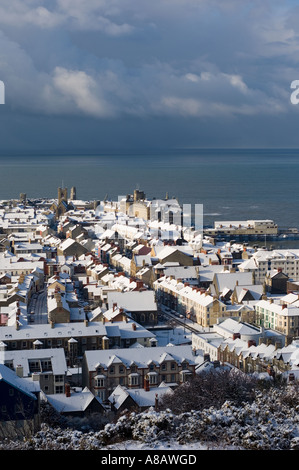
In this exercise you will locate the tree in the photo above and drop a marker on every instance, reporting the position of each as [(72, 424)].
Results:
[(211, 388)]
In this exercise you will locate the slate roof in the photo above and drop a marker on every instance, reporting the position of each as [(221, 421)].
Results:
[(9, 376)]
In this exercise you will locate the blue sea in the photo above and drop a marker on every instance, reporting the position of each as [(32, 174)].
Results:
[(230, 184)]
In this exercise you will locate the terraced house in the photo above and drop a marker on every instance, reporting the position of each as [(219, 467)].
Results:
[(103, 371), (282, 317), (190, 301)]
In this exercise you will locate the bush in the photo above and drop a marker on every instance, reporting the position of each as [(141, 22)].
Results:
[(211, 388)]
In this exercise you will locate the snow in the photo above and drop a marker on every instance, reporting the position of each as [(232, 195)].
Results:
[(270, 422)]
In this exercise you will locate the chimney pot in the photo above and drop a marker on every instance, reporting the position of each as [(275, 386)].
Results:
[(67, 390), (146, 384)]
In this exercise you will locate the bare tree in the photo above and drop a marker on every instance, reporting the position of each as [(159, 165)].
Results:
[(211, 388)]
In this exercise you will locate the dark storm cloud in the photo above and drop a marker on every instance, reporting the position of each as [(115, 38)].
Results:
[(167, 72)]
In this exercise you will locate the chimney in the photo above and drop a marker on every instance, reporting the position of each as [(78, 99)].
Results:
[(251, 342), (236, 335), (134, 326), (146, 384), (67, 388), (19, 370), (114, 307)]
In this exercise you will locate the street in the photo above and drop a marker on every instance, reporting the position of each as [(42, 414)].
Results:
[(38, 305)]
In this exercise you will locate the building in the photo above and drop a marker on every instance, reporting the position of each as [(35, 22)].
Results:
[(75, 403), (189, 301), (225, 282), (262, 261), (123, 398), (20, 402), (45, 366), (76, 337), (246, 228), (58, 308), (282, 317), (103, 371), (276, 281), (70, 247), (140, 303)]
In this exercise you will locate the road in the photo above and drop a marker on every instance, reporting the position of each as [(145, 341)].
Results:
[(181, 320), (38, 305)]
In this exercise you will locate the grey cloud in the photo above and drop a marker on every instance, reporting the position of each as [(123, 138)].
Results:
[(166, 60)]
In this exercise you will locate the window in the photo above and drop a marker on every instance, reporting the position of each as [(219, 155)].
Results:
[(101, 394), (100, 381), (153, 378), (134, 379)]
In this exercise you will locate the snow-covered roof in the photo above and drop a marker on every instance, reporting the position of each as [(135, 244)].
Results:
[(23, 356), (128, 356), (133, 301), (10, 377), (141, 397), (77, 401)]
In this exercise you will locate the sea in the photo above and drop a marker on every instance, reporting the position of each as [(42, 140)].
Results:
[(230, 184)]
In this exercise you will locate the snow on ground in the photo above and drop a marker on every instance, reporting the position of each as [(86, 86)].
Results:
[(171, 444)]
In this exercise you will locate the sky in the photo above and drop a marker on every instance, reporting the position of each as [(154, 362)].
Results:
[(115, 75)]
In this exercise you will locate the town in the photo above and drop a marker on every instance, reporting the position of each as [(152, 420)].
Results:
[(108, 305)]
